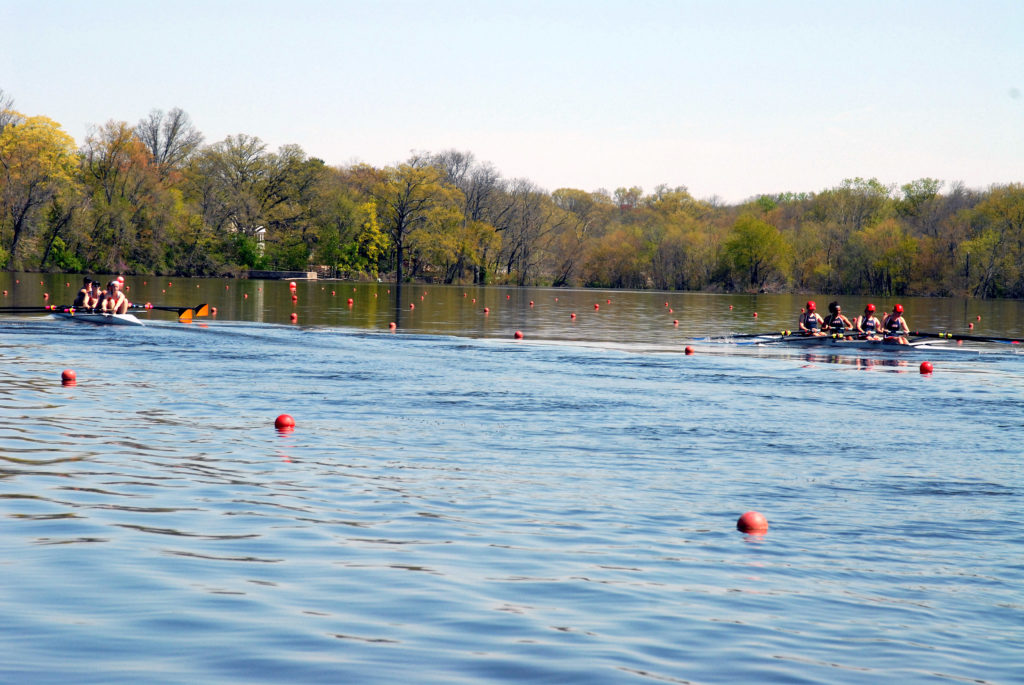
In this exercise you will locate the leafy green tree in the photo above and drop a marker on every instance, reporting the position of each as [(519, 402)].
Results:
[(37, 165), (757, 251)]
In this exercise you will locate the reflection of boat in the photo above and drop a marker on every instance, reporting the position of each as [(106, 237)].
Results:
[(100, 319)]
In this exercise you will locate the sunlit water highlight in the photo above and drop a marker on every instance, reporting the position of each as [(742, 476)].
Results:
[(467, 508)]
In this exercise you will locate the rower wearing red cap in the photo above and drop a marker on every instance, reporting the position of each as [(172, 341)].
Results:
[(868, 324), (894, 327), (810, 321)]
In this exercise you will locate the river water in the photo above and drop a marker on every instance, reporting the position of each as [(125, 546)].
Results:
[(457, 506)]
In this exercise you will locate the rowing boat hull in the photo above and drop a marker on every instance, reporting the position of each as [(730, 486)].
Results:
[(840, 344), (100, 319)]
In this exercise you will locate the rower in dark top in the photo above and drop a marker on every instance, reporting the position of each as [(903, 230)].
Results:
[(835, 322), (810, 322), (894, 327), (85, 294), (868, 324)]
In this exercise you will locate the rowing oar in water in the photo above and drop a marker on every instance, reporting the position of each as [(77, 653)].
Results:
[(198, 310), (975, 338)]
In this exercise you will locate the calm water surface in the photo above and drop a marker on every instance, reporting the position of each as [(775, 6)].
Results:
[(455, 506)]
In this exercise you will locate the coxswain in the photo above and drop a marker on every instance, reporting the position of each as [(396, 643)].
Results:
[(114, 301), (894, 327), (868, 325), (810, 322), (835, 322)]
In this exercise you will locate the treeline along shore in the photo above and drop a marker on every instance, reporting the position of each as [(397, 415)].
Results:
[(155, 198)]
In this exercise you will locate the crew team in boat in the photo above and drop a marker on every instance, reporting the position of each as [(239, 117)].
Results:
[(109, 301), (892, 329)]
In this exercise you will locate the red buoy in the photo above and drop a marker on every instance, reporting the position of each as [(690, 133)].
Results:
[(487, 310), (531, 303), (753, 522), (294, 317), (46, 296), (213, 310), (284, 423), (245, 296), (607, 301), (295, 298), (926, 368), (68, 377), (970, 326), (292, 285), (412, 306), (392, 325), (518, 335), (688, 350), (597, 306), (573, 315), (350, 302), (979, 317), (675, 322), (755, 315)]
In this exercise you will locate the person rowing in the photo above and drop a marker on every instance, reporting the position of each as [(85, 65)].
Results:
[(810, 321), (894, 327), (835, 322), (84, 295), (868, 325), (114, 301)]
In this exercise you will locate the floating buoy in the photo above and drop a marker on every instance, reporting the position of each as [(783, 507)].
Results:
[(245, 296), (294, 317), (730, 306), (465, 294), (213, 310), (675, 322), (573, 315), (671, 311), (508, 297), (227, 287), (292, 285), (68, 377), (412, 306), (350, 302), (607, 301), (755, 315), (970, 326), (752, 522), (392, 325), (531, 303), (332, 293), (487, 310), (926, 368), (5, 293), (556, 299), (284, 423), (688, 350), (473, 300), (46, 296), (597, 306), (979, 317), (421, 298), (67, 285), (295, 298), (518, 335)]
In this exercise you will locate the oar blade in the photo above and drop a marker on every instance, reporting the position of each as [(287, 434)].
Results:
[(202, 310), (185, 316)]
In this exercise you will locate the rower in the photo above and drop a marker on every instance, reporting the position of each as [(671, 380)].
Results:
[(114, 302), (894, 327), (810, 322), (836, 323), (868, 324), (84, 295)]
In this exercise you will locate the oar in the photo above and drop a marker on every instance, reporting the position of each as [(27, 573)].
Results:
[(975, 338), (199, 309)]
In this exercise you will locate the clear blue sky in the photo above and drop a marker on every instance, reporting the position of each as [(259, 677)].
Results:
[(731, 99)]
